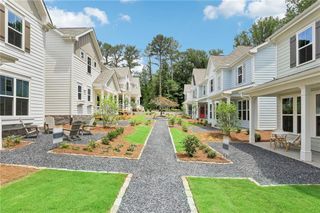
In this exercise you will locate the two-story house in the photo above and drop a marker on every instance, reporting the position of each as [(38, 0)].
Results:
[(23, 25), (297, 82), (199, 94), (73, 62), (243, 68), (135, 94)]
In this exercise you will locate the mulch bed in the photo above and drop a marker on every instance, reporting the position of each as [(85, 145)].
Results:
[(12, 173), (18, 146), (243, 137), (105, 150), (200, 156)]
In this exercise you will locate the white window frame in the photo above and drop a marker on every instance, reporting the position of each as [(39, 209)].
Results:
[(84, 55), (81, 92), (316, 114), (212, 85), (242, 109), (94, 64), (88, 65), (14, 96), (313, 26), (293, 111), (7, 10), (210, 111), (242, 74)]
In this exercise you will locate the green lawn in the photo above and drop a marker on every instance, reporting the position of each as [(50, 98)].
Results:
[(62, 191), (236, 195), (139, 135), (141, 118), (178, 137)]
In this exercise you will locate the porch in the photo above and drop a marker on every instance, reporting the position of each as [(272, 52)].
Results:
[(292, 153)]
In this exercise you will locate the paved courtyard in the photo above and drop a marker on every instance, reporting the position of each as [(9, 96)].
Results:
[(156, 185)]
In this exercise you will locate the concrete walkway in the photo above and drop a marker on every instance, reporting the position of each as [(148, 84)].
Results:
[(156, 185)]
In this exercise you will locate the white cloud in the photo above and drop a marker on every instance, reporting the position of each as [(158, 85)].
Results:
[(264, 8), (250, 8), (125, 18), (138, 69), (226, 8), (86, 18)]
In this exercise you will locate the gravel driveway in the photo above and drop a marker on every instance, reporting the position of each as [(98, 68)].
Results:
[(156, 185)]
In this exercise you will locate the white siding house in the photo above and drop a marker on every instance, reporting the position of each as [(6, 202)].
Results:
[(297, 81), (23, 25), (73, 62)]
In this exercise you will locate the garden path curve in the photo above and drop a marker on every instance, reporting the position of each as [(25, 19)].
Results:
[(156, 184)]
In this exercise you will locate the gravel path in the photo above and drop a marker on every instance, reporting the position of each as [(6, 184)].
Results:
[(156, 185)]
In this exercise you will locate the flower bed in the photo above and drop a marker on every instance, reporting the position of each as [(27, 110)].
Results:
[(113, 144), (14, 142)]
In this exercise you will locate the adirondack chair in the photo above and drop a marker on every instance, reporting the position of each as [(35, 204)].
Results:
[(49, 124), (86, 128), (31, 131), (292, 140), (72, 134)]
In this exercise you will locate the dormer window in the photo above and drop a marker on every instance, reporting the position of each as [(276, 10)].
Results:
[(305, 45), (15, 25), (211, 85), (82, 54), (240, 75)]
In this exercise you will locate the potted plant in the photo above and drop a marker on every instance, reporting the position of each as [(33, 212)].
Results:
[(227, 120)]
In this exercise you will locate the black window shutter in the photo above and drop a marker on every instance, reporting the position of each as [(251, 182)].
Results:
[(293, 55), (317, 40)]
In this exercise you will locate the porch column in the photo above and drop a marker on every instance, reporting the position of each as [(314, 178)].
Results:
[(305, 153), (122, 101), (101, 94), (279, 112), (228, 99), (253, 119)]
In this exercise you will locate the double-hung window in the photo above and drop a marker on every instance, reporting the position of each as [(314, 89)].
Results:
[(305, 46), (287, 114), (318, 115), (299, 114), (240, 75), (22, 97), (211, 85), (219, 83), (243, 110), (89, 94), (6, 95), (13, 91), (210, 111), (89, 65), (15, 29), (79, 92)]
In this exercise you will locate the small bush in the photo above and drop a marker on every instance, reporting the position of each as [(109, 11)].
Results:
[(202, 146), (131, 148), (133, 122), (94, 123), (105, 140), (184, 128), (179, 121), (172, 121), (205, 122), (128, 153), (147, 123), (75, 148), (64, 146), (190, 144), (89, 149), (12, 140), (92, 144), (120, 130), (257, 137), (207, 150), (112, 135), (211, 154)]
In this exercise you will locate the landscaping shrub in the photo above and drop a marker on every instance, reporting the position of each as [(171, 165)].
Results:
[(202, 146), (12, 140), (211, 154), (112, 135), (105, 140), (184, 127), (179, 121), (148, 122), (172, 121), (190, 144), (92, 144), (131, 148), (133, 122), (94, 123), (120, 130), (207, 150), (64, 146), (205, 122), (257, 137)]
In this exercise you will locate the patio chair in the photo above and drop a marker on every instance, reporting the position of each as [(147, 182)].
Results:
[(86, 128), (31, 131), (49, 124), (72, 134), (292, 140)]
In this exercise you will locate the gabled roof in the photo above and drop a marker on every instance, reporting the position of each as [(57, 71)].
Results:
[(187, 88), (227, 61), (104, 76), (313, 8), (122, 72), (42, 10), (199, 75), (75, 31)]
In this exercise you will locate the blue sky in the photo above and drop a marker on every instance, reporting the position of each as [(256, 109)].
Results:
[(194, 23)]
